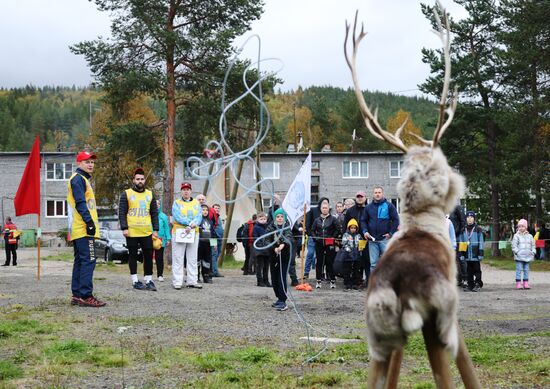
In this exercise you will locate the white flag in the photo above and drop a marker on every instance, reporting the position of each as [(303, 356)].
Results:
[(299, 193)]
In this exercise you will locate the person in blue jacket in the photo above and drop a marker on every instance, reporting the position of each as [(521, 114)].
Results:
[(379, 222), (166, 235), (470, 248)]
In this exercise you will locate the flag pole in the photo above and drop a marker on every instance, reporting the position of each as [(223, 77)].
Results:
[(303, 241), (38, 239)]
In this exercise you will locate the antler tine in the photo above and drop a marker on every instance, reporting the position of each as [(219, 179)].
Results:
[(445, 107), (371, 120)]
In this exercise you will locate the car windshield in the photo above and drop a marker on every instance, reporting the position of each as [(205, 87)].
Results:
[(116, 235)]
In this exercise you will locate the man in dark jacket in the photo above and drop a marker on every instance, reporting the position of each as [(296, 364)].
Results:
[(458, 218), (378, 223), (311, 215), (356, 212)]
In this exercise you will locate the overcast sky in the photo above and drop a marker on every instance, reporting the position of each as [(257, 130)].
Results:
[(307, 35)]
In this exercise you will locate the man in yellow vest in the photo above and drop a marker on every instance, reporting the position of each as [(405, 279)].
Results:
[(138, 217), (82, 231)]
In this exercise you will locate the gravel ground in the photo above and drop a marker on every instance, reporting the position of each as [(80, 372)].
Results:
[(234, 312)]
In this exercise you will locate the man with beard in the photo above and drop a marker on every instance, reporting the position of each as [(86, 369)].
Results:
[(138, 217)]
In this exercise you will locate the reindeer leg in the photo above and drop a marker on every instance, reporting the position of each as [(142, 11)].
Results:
[(377, 373), (394, 368), (465, 365), (437, 356)]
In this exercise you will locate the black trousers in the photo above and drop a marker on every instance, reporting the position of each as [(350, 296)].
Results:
[(146, 244), (461, 270), (474, 274), (11, 252), (351, 272), (204, 259), (362, 267), (279, 270), (262, 268), (325, 258), (248, 266), (159, 259)]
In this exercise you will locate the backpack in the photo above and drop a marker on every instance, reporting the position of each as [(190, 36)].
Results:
[(242, 233)]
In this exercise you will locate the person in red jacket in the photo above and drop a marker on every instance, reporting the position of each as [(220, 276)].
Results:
[(10, 242)]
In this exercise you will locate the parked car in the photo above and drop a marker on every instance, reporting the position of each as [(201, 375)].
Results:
[(111, 245)]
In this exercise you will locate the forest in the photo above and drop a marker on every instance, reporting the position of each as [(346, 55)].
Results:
[(152, 102)]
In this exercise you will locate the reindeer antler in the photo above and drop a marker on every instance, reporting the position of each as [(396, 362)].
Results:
[(371, 120)]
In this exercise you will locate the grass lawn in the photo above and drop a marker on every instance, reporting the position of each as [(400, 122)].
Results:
[(506, 262)]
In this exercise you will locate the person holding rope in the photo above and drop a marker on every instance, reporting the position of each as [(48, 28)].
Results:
[(281, 234), (139, 222)]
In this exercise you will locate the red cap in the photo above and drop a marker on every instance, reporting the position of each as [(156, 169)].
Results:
[(361, 194), (186, 185), (84, 156), (139, 170)]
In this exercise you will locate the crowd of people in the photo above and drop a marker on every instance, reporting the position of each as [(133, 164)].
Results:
[(345, 241)]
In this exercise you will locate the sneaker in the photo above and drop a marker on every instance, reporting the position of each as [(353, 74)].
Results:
[(476, 288), (267, 284), (75, 300), (355, 287), (160, 278), (347, 288), (151, 286), (318, 285), (139, 285), (217, 275), (261, 284), (91, 302), (177, 287), (282, 307), (276, 303), (294, 283), (194, 286), (306, 276), (332, 284)]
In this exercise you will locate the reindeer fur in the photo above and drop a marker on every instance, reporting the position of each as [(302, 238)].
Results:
[(414, 279)]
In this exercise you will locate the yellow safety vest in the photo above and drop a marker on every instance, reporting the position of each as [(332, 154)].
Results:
[(139, 216), (77, 226), (188, 209)]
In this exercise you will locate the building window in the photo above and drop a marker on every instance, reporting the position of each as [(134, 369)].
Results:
[(355, 169), (267, 203), (315, 184), (395, 169), (191, 166), (270, 170), (59, 171), (315, 165), (56, 208)]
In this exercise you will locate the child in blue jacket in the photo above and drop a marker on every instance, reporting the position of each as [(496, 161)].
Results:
[(470, 247)]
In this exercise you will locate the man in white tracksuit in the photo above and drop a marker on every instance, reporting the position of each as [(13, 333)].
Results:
[(186, 212)]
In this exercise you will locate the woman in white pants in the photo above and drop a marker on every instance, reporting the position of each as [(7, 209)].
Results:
[(186, 212)]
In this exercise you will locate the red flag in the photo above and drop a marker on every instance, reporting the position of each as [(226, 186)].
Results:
[(27, 198)]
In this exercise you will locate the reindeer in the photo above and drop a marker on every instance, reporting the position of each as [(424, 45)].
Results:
[(413, 286)]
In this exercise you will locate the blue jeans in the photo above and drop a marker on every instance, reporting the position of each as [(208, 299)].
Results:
[(214, 250), (310, 257), (83, 267), (520, 265), (376, 249)]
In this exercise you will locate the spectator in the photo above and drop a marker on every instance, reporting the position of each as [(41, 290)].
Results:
[(458, 219), (326, 230), (378, 223), (470, 247), (10, 242), (544, 236), (262, 255), (340, 215), (165, 235), (356, 212), (350, 253), (348, 203), (204, 256), (523, 247), (244, 235), (311, 215), (217, 234)]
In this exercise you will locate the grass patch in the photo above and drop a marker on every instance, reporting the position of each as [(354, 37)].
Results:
[(8, 370), (229, 262), (11, 328), (325, 379), (506, 262), (72, 351), (63, 257)]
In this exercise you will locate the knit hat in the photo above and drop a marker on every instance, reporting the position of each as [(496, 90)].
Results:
[(522, 222), (471, 213), (353, 222), (280, 211)]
